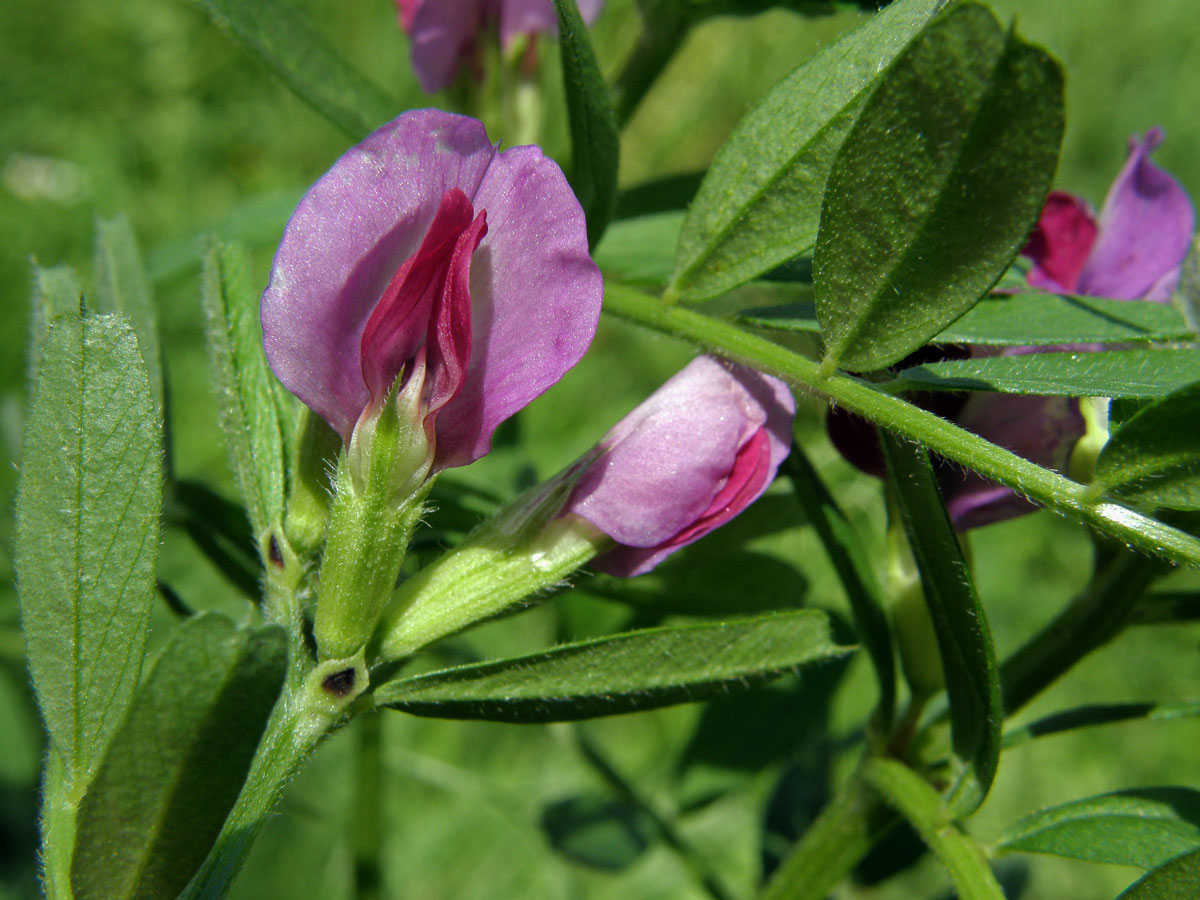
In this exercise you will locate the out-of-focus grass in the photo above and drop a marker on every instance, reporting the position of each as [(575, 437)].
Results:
[(143, 106)]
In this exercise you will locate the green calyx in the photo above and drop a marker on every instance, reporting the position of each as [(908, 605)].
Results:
[(380, 488), (524, 549)]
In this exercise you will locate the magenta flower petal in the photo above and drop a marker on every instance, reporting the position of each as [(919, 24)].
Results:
[(1145, 232), (1060, 243), (529, 294), (405, 10), (1040, 429), (688, 459), (444, 34), (441, 35), (538, 17)]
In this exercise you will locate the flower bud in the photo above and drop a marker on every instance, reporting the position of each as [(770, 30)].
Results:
[(688, 459)]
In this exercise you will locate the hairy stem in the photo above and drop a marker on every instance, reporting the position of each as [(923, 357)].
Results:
[(1048, 488)]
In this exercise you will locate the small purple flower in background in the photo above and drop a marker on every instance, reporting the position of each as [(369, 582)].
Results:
[(1134, 251), (444, 33), (428, 255), (692, 456)]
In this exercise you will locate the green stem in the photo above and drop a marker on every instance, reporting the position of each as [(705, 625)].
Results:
[(943, 437), (58, 829), (912, 796), (688, 855), (847, 828), (305, 714), (368, 818)]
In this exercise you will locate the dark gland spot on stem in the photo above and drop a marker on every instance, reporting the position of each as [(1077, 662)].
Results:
[(339, 683), (274, 553)]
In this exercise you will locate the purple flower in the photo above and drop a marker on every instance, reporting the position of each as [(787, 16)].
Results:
[(697, 452), (1135, 250), (427, 255), (443, 33)]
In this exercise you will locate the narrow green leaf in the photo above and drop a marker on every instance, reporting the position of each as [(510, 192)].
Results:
[(1100, 714), (846, 551), (242, 382), (760, 202), (1154, 459), (595, 141), (629, 672), (1112, 373), (1021, 320), (88, 503), (1144, 827), (278, 35), (177, 763), (959, 621), (56, 292), (935, 189), (122, 286), (1178, 879), (913, 797)]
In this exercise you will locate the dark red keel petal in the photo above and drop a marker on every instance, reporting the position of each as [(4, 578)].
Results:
[(449, 335), (403, 318), (1060, 243)]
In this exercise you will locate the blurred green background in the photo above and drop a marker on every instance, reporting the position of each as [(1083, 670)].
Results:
[(145, 107)]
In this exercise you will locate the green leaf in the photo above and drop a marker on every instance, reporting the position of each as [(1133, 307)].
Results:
[(1178, 879), (56, 292), (88, 504), (1100, 714), (178, 762), (122, 286), (1112, 373), (846, 551), (278, 35), (760, 202), (1020, 320), (936, 188), (959, 620), (1154, 459), (1144, 827), (243, 384), (639, 250), (913, 797), (595, 142), (629, 672)]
